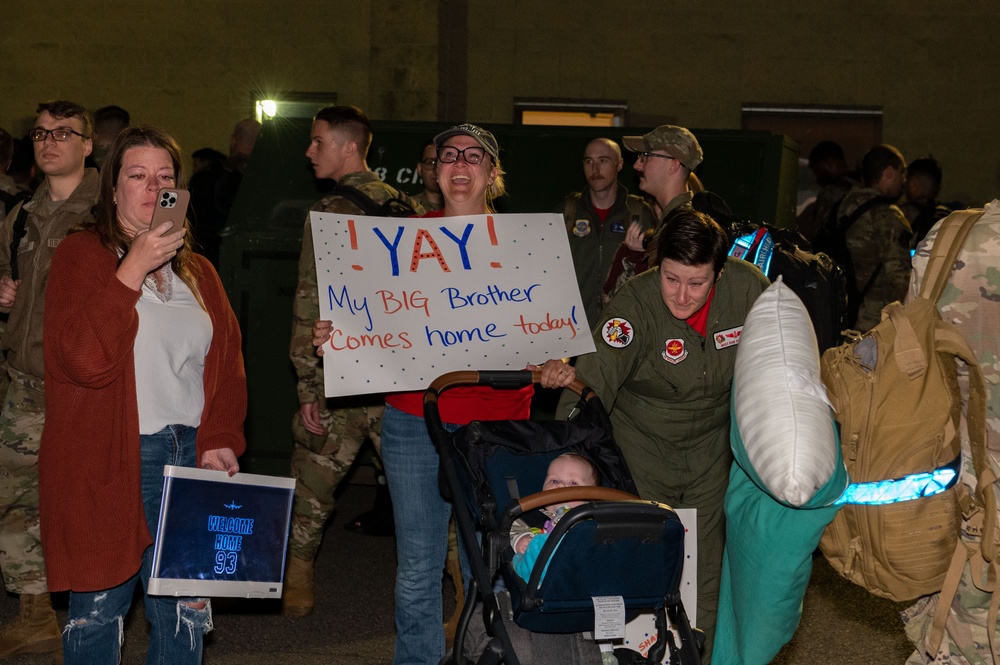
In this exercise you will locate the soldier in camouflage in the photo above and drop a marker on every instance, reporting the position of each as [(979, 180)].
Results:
[(666, 156), (327, 434), (666, 160), (829, 167), (879, 240), (62, 141), (972, 303), (430, 198)]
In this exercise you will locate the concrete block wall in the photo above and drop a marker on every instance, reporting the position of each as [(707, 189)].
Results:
[(932, 67), (195, 66)]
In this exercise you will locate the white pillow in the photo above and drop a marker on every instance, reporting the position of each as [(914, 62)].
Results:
[(782, 410)]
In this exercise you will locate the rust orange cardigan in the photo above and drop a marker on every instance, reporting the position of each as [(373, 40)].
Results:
[(93, 528)]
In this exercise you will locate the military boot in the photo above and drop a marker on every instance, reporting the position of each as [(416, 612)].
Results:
[(297, 594), (34, 630)]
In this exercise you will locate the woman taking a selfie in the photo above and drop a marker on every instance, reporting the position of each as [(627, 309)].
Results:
[(143, 368)]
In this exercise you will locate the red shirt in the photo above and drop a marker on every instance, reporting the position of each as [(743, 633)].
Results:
[(699, 320), (460, 406)]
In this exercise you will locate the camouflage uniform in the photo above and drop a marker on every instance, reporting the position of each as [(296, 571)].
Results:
[(825, 207), (922, 216), (320, 462), (972, 303), (595, 245), (879, 243), (23, 411), (425, 202)]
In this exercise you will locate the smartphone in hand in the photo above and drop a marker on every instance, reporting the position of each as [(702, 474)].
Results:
[(171, 207)]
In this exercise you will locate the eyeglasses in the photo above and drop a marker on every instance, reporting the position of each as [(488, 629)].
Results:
[(643, 156), (58, 134), (471, 155), (430, 161)]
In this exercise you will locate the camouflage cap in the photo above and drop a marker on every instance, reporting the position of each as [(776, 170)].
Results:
[(482, 137), (676, 141)]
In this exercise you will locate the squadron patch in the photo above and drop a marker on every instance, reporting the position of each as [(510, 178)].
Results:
[(617, 333), (674, 351), (617, 227), (581, 227), (725, 338)]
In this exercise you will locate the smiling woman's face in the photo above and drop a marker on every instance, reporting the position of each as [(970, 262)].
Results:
[(464, 184), (145, 169)]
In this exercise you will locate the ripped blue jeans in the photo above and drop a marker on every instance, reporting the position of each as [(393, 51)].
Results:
[(96, 619)]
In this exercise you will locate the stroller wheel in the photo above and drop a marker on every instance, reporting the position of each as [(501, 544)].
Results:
[(628, 657)]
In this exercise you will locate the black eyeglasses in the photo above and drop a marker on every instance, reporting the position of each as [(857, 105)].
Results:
[(58, 134), (471, 155), (643, 156), (430, 161)]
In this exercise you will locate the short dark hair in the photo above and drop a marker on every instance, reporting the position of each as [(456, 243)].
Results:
[(926, 166), (209, 155), (60, 108), (692, 238), (826, 150), (349, 119), (112, 115), (877, 160), (6, 149), (23, 158)]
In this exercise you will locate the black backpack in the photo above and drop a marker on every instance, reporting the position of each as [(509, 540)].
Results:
[(832, 240), (814, 277), (393, 207)]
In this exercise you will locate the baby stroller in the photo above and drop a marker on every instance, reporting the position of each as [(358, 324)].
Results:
[(614, 545)]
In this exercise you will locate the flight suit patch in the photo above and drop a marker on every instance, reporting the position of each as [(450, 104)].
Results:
[(725, 338), (581, 227), (674, 351), (617, 333)]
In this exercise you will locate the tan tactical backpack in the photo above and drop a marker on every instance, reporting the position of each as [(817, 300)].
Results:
[(896, 397)]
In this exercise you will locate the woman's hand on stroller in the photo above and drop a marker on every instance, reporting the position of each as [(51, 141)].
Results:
[(321, 331), (555, 373)]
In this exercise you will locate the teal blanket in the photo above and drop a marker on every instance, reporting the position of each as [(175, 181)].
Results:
[(767, 561)]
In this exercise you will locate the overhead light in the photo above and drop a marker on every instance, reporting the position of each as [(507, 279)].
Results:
[(266, 108)]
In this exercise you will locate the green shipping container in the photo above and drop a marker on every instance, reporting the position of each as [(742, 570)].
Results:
[(755, 172)]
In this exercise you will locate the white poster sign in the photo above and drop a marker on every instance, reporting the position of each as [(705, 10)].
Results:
[(414, 298)]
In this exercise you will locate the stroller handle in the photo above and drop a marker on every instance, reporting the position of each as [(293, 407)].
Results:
[(578, 493), (496, 379)]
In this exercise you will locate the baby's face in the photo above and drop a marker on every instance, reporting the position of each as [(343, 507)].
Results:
[(568, 472)]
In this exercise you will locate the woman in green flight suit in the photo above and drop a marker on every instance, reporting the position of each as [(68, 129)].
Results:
[(666, 346)]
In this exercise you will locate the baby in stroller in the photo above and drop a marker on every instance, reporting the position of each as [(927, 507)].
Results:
[(529, 532), (610, 542)]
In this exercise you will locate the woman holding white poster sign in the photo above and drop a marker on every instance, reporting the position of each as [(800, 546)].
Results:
[(143, 368), (471, 177)]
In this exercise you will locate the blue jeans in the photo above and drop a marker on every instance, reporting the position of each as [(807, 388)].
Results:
[(95, 628), (421, 515)]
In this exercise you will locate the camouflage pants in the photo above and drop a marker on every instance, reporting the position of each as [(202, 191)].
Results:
[(21, 420), (320, 462), (966, 639)]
